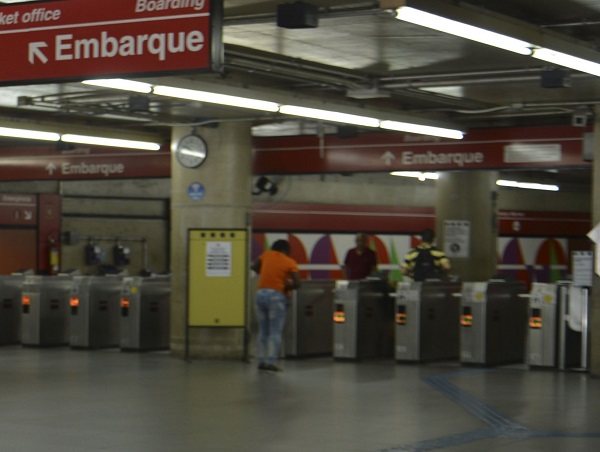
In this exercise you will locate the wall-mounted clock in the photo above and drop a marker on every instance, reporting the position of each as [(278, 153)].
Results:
[(191, 151)]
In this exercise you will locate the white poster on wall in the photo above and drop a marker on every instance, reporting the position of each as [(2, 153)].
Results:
[(218, 259), (456, 238)]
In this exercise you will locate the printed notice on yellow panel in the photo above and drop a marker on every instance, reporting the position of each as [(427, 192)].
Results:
[(218, 259)]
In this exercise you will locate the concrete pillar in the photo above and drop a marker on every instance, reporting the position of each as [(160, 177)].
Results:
[(594, 324), (226, 176), (470, 197)]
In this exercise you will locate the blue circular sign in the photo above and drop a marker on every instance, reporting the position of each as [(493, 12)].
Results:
[(196, 191)]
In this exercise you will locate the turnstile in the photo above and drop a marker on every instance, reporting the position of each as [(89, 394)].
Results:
[(558, 326), (309, 331), (145, 313), (363, 320), (542, 337), (95, 311), (45, 310), (493, 322), (11, 288), (427, 327)]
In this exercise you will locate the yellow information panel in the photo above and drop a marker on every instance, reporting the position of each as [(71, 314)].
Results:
[(217, 278)]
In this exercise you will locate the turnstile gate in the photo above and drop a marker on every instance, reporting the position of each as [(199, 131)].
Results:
[(309, 331), (95, 311), (427, 327), (145, 313), (542, 337), (45, 310), (11, 288), (493, 322), (363, 320)]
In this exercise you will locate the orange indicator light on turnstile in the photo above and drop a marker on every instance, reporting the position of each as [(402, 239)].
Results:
[(535, 322), (466, 320), (338, 315), (25, 300), (124, 302), (74, 302)]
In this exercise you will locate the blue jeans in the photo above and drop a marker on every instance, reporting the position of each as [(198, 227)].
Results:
[(271, 309)]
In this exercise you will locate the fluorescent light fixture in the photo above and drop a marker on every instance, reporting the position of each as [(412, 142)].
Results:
[(29, 134), (327, 115), (527, 185), (416, 174), (562, 59), (113, 142), (423, 130), (213, 98), (453, 27), (122, 84)]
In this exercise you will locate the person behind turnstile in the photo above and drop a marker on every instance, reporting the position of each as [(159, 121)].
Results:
[(145, 313), (493, 322), (363, 320), (308, 330), (95, 311), (426, 321), (11, 288), (45, 310)]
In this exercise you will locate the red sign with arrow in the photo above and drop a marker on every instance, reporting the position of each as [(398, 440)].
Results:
[(86, 38)]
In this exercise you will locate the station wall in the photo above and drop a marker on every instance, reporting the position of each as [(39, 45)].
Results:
[(138, 209)]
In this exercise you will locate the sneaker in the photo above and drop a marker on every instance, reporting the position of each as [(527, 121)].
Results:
[(262, 366), (272, 368)]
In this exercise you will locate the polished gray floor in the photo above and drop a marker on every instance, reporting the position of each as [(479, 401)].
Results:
[(64, 400)]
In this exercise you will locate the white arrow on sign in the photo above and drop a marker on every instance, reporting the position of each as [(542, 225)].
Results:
[(388, 158), (28, 214), (35, 51), (51, 167)]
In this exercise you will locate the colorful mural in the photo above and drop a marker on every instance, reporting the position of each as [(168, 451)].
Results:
[(321, 256)]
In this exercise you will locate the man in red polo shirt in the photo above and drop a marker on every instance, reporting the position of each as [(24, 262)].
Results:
[(360, 262)]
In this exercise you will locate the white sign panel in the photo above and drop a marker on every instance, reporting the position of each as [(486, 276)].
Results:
[(218, 259), (583, 268), (456, 238)]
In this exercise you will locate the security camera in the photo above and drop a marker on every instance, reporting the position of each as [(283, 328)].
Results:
[(579, 119)]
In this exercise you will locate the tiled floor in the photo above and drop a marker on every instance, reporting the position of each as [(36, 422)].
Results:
[(60, 400)]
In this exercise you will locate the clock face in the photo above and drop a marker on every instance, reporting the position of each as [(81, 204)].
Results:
[(191, 151)]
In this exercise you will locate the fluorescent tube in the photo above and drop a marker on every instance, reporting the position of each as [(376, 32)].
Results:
[(29, 134), (213, 98), (113, 142), (416, 174), (562, 59), (424, 19), (327, 115), (527, 185), (423, 130), (122, 84)]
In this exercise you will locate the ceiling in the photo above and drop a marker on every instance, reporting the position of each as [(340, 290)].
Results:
[(358, 56)]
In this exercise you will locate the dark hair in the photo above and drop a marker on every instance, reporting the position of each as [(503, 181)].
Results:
[(282, 246), (427, 235)]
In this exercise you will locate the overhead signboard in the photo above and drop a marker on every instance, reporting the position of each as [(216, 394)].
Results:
[(534, 147), (66, 40), (115, 165)]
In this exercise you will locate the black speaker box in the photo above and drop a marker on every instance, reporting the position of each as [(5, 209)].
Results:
[(297, 15)]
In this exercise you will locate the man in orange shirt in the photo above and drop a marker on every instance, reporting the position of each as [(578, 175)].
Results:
[(278, 275)]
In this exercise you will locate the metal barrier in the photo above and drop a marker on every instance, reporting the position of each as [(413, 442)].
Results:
[(145, 313), (95, 311), (493, 322), (363, 320), (45, 310), (426, 319), (309, 330), (11, 289)]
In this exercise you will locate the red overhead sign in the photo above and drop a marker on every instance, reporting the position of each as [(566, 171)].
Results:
[(44, 164), (87, 38), (533, 147)]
